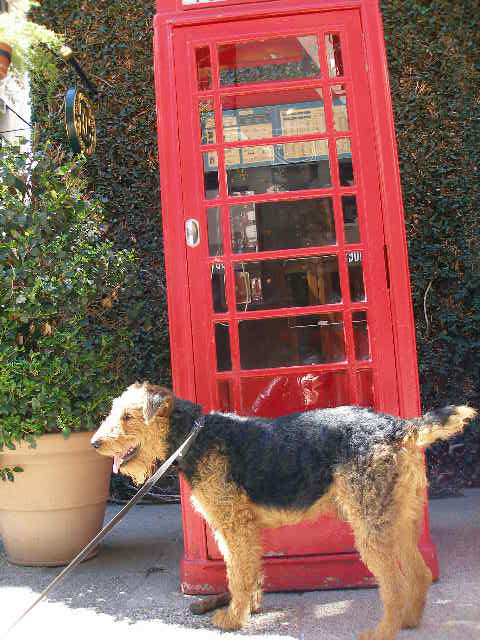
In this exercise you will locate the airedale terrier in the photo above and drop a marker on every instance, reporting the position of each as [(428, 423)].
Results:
[(247, 473)]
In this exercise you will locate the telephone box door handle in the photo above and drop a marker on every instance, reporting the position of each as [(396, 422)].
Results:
[(192, 232)]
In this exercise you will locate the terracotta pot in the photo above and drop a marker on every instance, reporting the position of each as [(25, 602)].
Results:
[(57, 505), (5, 58)]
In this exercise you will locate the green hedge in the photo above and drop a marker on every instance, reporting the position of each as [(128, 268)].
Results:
[(433, 51), (434, 62)]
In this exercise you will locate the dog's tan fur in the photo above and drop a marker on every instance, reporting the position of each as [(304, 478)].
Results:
[(384, 504)]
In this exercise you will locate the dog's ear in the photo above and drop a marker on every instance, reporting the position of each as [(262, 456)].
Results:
[(158, 402)]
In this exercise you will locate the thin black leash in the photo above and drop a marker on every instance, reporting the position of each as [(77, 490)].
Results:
[(179, 453)]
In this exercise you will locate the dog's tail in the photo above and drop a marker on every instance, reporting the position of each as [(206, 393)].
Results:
[(442, 424)]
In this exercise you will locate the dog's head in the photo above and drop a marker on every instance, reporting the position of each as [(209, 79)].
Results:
[(136, 430)]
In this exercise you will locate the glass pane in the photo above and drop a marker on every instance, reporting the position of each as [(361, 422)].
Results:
[(285, 342), (340, 110), (345, 163), (334, 55), (210, 174), (215, 233), (225, 395), (360, 335), (283, 167), (207, 121), (366, 396), (294, 113), (272, 396), (218, 288), (355, 273), (222, 343), (350, 219), (297, 282), (204, 68), (269, 226), (289, 58)]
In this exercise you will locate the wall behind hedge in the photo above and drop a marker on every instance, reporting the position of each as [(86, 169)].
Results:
[(433, 51)]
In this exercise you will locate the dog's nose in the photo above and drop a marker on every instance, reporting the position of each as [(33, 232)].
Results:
[(96, 443)]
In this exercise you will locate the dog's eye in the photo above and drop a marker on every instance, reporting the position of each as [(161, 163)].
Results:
[(126, 417)]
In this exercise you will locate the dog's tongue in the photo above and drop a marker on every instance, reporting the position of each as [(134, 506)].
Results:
[(117, 462)]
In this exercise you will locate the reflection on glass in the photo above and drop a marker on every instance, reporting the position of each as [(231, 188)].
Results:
[(218, 288), (334, 55), (254, 116), (207, 121), (289, 58), (360, 335), (355, 274), (204, 68), (225, 395), (340, 110), (246, 123), (350, 219), (272, 396), (210, 174), (284, 167), (296, 282), (345, 163), (269, 226), (215, 234), (222, 344), (366, 396), (286, 342)]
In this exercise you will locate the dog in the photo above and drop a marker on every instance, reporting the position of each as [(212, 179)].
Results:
[(247, 473)]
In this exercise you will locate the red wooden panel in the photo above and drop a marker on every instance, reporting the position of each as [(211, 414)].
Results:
[(325, 535)]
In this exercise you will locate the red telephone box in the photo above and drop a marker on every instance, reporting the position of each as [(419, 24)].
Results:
[(287, 269)]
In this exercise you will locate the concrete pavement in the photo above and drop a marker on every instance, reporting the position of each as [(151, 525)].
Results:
[(131, 590)]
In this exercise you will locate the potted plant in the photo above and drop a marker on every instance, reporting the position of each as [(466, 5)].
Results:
[(61, 351), (18, 36)]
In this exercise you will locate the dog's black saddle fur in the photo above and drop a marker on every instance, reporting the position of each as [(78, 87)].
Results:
[(287, 462)]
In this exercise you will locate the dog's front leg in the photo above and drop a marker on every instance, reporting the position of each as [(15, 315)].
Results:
[(241, 549), (230, 514)]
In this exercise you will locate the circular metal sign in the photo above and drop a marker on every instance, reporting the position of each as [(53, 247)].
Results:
[(80, 122)]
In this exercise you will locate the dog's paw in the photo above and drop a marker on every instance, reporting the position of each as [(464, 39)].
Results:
[(412, 620), (225, 620)]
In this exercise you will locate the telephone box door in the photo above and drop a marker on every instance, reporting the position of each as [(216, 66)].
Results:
[(286, 267)]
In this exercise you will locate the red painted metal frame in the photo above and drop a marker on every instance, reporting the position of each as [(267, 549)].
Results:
[(200, 573)]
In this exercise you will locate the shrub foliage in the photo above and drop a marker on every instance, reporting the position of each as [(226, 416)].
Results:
[(60, 349)]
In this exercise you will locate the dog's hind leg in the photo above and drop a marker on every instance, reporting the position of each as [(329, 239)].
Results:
[(382, 560), (419, 579), (364, 496), (409, 497)]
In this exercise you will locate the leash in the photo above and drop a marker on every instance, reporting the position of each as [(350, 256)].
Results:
[(179, 453)]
